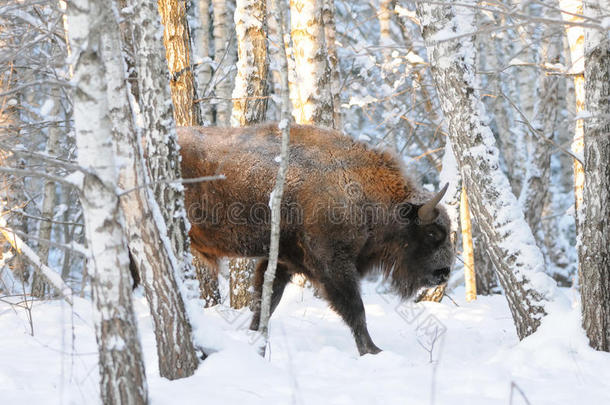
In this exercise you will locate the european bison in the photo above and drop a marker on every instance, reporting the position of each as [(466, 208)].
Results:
[(347, 209)]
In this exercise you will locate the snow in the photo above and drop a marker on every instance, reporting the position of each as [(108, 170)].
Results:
[(313, 358), (76, 178), (360, 101)]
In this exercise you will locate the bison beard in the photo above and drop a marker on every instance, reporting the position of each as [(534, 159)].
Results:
[(346, 210)]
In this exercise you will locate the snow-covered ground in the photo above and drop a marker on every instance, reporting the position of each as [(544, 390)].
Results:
[(476, 356)]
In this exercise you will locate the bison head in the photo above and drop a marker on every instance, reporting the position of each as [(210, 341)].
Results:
[(424, 251)]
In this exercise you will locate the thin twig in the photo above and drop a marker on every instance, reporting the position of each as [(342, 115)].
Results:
[(538, 134), (72, 247), (34, 173), (54, 160), (176, 181)]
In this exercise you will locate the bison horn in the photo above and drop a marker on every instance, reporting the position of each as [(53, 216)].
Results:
[(426, 212)]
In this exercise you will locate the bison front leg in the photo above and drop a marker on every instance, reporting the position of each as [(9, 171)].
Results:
[(282, 277), (342, 289)]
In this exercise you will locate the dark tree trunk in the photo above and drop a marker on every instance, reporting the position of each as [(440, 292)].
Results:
[(594, 248), (512, 248)]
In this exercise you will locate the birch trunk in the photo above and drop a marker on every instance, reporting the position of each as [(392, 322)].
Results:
[(385, 32), (123, 380), (12, 195), (157, 265), (278, 190), (249, 107), (517, 259), (544, 123), (224, 59), (575, 34), (594, 248), (313, 102), (391, 117), (467, 249), (330, 34), (487, 281), (510, 132), (251, 87), (199, 10), (241, 272), (160, 143), (48, 201), (176, 39)]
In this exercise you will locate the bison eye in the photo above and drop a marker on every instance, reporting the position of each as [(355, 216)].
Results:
[(436, 235)]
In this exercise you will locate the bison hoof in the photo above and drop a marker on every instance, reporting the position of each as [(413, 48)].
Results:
[(372, 349)]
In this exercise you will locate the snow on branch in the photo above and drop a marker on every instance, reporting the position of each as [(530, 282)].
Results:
[(51, 276)]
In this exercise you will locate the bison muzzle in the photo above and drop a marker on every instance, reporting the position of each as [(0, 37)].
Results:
[(347, 210)]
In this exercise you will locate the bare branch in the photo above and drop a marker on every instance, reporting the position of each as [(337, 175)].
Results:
[(535, 131), (51, 276), (34, 173), (175, 181)]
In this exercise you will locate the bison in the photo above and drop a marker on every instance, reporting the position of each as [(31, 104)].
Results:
[(347, 209)]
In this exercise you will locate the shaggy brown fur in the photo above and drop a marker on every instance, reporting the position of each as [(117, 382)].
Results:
[(346, 210)]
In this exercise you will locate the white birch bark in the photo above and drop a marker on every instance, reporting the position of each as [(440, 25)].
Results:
[(157, 265), (594, 247), (518, 261), (160, 142), (312, 101), (48, 199), (224, 59), (544, 124), (330, 34), (510, 132), (571, 12), (251, 87), (390, 116), (199, 23), (120, 356), (278, 190)]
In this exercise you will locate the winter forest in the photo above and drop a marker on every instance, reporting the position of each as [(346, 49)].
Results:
[(305, 202)]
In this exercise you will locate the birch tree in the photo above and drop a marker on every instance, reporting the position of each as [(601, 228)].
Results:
[(594, 248), (517, 259), (278, 190), (313, 101), (249, 107), (120, 356), (176, 39), (224, 60), (158, 267), (49, 198), (330, 34), (199, 11), (161, 143), (251, 87), (511, 131), (543, 128), (572, 11), (467, 249)]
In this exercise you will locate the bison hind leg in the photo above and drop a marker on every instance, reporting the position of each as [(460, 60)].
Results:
[(282, 277)]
